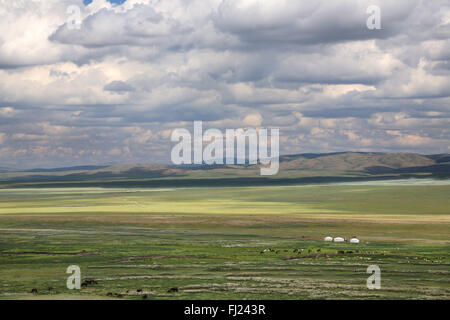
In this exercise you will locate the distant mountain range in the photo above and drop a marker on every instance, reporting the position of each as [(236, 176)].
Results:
[(296, 168), (76, 168), (367, 162)]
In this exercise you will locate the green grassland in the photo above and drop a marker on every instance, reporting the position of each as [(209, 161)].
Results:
[(207, 242)]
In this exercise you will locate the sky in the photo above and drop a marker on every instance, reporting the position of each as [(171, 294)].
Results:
[(113, 90)]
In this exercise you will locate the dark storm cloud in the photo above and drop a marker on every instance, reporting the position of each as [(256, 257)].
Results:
[(295, 22)]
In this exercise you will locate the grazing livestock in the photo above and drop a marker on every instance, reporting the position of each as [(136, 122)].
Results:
[(88, 282), (119, 295), (277, 252), (309, 250), (341, 252), (172, 290), (139, 290), (50, 288), (318, 250), (295, 250), (109, 294), (34, 290)]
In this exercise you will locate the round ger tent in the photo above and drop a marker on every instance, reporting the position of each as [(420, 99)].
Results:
[(338, 239), (354, 240), (328, 239)]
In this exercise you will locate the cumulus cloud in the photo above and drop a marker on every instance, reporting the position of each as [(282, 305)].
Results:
[(253, 120), (114, 88)]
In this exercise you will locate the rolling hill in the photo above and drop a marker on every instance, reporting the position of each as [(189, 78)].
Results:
[(357, 161), (294, 169)]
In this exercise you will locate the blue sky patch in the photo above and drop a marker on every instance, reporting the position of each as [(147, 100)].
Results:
[(87, 2)]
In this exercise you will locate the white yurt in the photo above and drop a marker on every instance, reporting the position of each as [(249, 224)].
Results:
[(328, 239), (338, 239), (354, 240)]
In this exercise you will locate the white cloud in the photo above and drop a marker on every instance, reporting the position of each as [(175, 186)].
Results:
[(253, 120), (115, 88)]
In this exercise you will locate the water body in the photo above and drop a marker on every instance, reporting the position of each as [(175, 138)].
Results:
[(396, 182)]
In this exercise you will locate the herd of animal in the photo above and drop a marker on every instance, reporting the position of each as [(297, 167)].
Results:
[(300, 251), (140, 291), (109, 294), (354, 239)]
